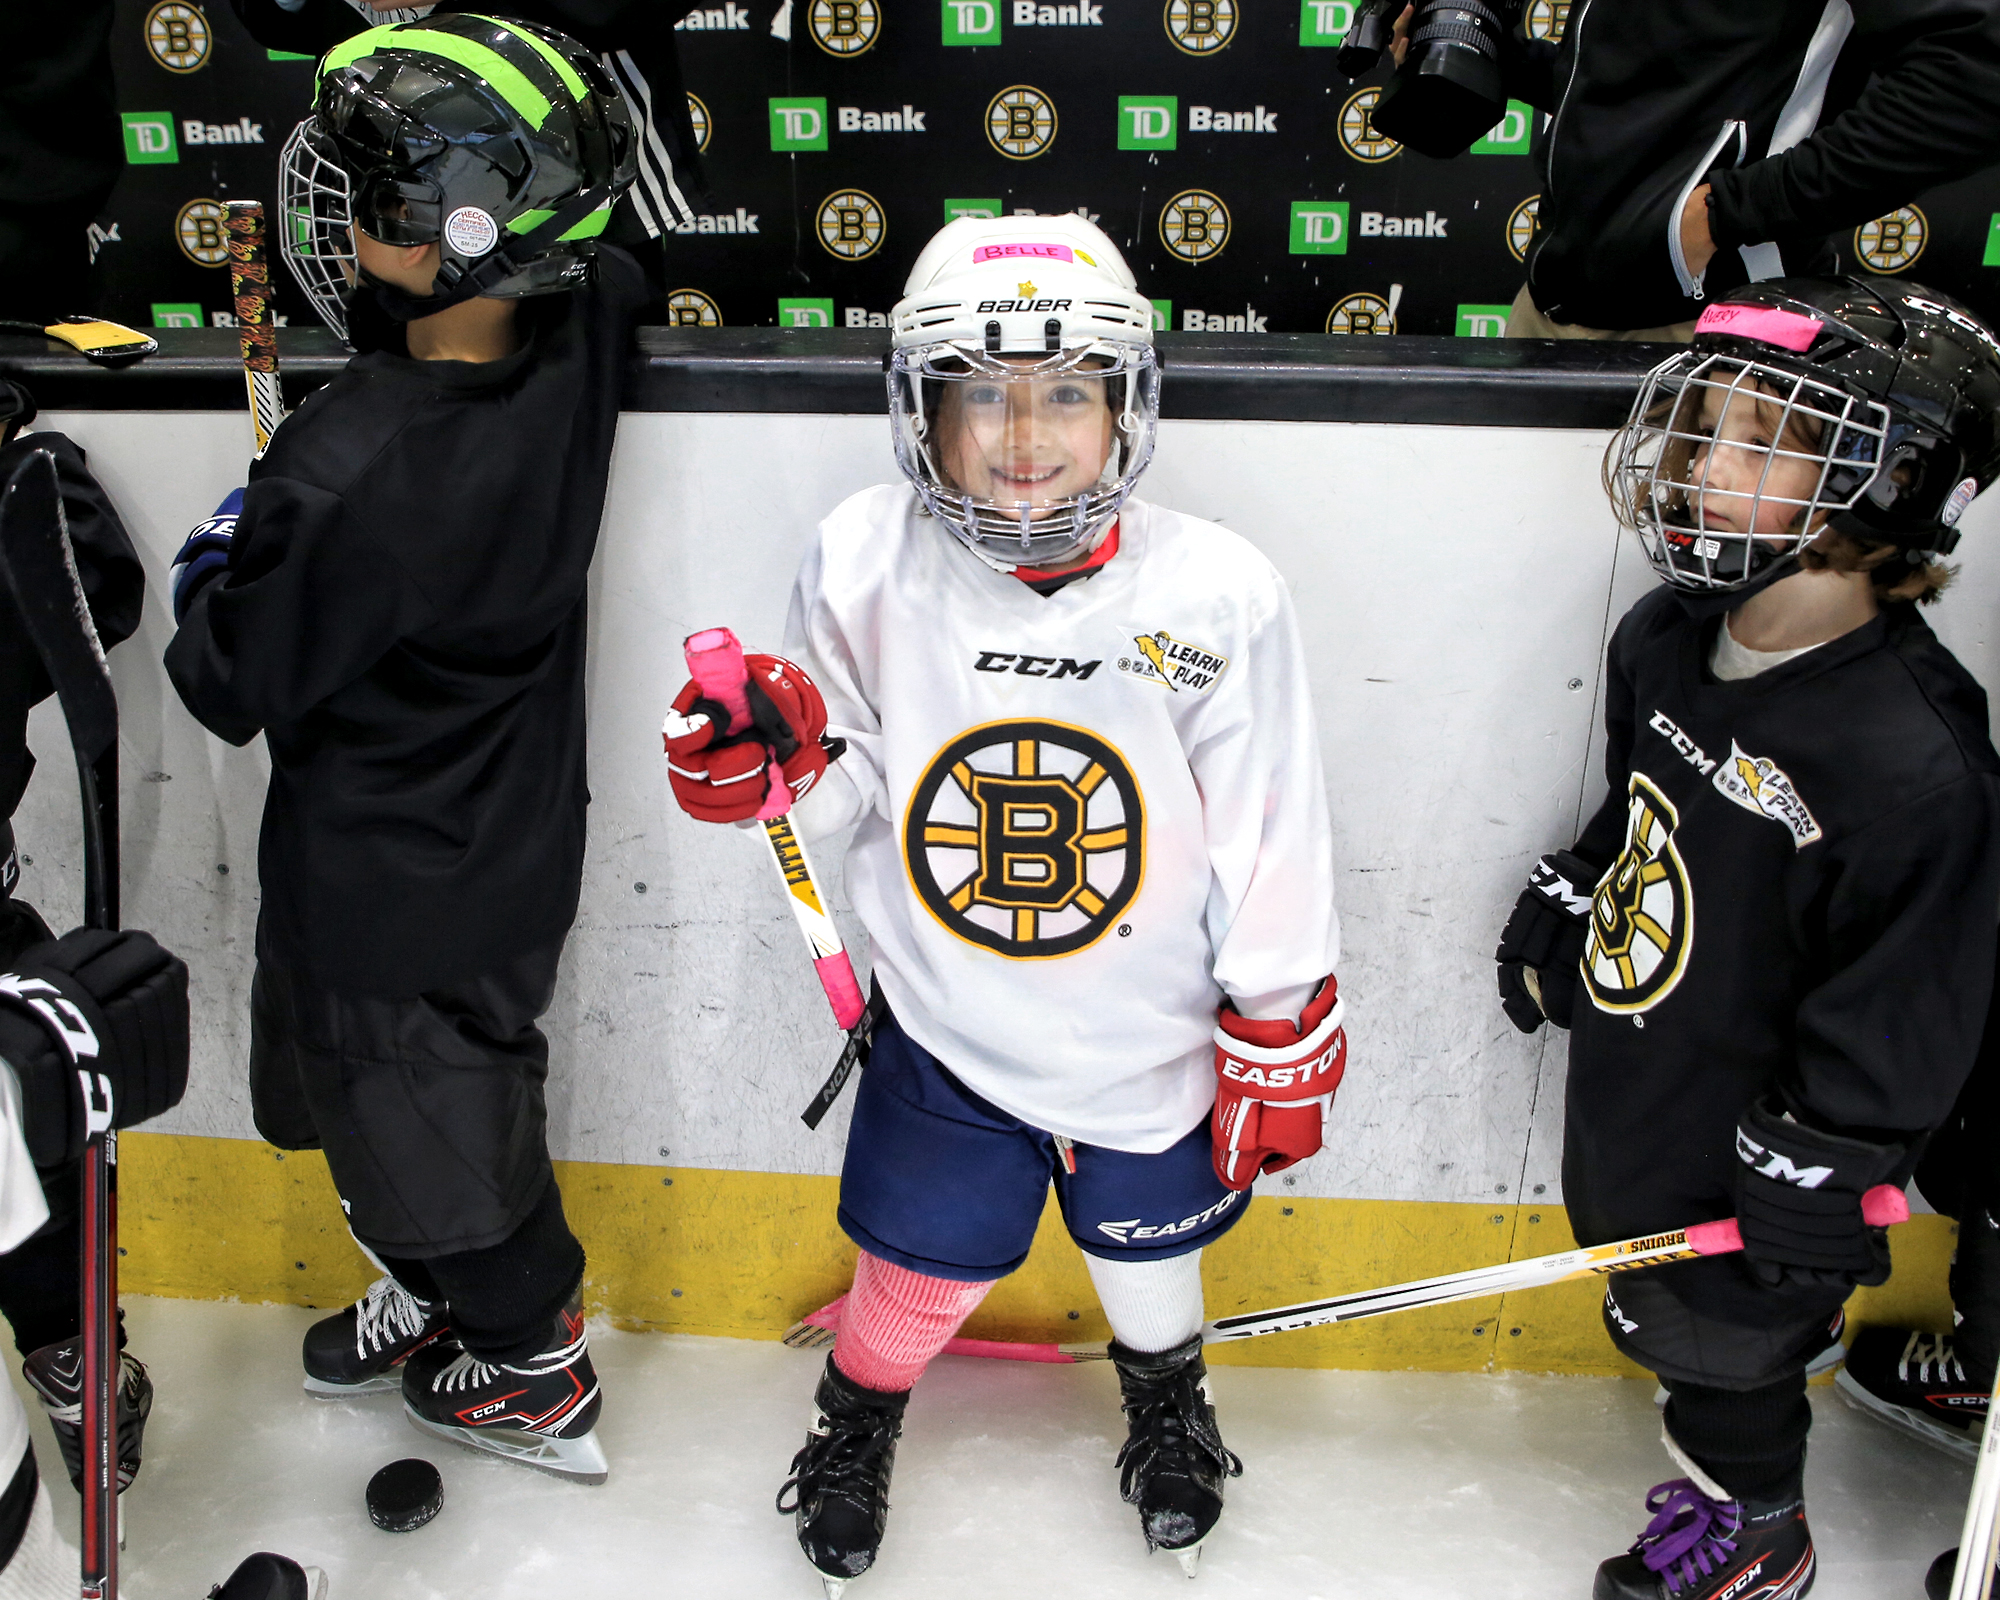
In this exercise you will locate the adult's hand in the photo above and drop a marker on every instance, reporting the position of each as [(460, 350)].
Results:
[(1697, 245), (1399, 46)]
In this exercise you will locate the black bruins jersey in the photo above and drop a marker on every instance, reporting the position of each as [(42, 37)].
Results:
[(1802, 877)]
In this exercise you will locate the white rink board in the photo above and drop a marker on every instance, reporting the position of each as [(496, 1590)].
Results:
[(1453, 584)]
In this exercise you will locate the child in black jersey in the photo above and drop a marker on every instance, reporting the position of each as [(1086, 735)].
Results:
[(1774, 942), (397, 602)]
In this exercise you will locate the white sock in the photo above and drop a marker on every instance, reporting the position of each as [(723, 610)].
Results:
[(1153, 1305), (44, 1564)]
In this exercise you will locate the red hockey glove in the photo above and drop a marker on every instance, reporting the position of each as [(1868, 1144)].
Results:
[(723, 777), (1274, 1081)]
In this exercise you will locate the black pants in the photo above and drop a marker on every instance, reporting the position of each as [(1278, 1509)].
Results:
[(432, 1115)]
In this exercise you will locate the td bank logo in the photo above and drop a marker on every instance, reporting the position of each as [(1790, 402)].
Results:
[(845, 27), (1508, 136), (798, 124), (1992, 256), (954, 209), (1324, 23), (971, 22), (177, 36), (1482, 322), (805, 313), (1319, 228), (1148, 121), (149, 138), (1201, 27)]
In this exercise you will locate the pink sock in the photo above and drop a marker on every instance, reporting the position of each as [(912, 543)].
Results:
[(895, 1320)]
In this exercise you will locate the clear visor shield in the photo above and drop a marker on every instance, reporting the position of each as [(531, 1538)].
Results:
[(1728, 465), (1026, 457), (315, 204)]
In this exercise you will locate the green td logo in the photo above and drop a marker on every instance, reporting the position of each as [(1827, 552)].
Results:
[(1508, 136), (149, 138), (1319, 228), (176, 314), (971, 21), (805, 313), (954, 209), (1992, 257), (1163, 316), (1148, 121), (798, 124), (1482, 322), (1324, 23)]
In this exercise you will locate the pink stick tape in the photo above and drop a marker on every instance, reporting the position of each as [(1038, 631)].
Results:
[(1881, 1207), (843, 991), (715, 662), (1788, 330)]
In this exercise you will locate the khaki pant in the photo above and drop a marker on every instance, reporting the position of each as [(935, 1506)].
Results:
[(1525, 321)]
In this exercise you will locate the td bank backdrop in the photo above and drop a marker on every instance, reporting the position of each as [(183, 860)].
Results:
[(1212, 139)]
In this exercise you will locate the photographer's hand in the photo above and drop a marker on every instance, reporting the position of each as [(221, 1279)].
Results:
[(1400, 46), (1697, 245)]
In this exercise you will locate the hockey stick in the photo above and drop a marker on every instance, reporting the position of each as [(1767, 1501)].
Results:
[(715, 662), (250, 286), (1974, 1578), (40, 566), (1881, 1207)]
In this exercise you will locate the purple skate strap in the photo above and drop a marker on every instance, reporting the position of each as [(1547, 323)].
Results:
[(1684, 1528)]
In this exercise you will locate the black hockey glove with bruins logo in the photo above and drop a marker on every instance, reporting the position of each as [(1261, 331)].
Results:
[(1543, 941), (1798, 1200), (95, 1028)]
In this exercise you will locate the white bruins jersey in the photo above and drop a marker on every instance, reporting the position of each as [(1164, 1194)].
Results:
[(1082, 817)]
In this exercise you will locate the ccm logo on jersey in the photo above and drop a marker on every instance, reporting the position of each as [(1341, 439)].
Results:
[(1770, 1164), (1133, 1230), (1033, 666), (1177, 663), (1684, 747)]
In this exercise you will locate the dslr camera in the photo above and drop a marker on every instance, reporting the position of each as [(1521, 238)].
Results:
[(1447, 92)]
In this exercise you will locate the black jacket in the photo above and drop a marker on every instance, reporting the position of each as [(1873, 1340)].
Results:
[(1805, 876), (634, 39), (1648, 100), (403, 618)]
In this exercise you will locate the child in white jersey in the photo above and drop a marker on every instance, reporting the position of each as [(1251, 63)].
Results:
[(1090, 848)]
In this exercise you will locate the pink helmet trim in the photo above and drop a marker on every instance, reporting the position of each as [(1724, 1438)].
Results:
[(1041, 252)]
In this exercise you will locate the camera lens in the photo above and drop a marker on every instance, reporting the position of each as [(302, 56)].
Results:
[(1448, 91)]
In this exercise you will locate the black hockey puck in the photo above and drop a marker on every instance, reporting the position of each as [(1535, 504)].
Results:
[(405, 1495)]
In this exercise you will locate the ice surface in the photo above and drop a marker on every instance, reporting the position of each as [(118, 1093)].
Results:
[(1379, 1485)]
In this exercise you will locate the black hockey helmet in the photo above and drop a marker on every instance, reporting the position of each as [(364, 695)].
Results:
[(1881, 397), (502, 142)]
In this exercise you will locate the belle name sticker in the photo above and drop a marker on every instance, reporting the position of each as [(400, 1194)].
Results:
[(1181, 666), (1756, 783)]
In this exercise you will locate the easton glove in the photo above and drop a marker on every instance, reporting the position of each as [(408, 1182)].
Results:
[(1274, 1081), (95, 1026), (205, 555), (724, 777), (1543, 942), (1798, 1200)]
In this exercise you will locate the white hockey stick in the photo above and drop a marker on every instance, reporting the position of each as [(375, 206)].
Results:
[(1974, 1578)]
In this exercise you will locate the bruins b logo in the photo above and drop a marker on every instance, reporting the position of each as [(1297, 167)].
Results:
[(1642, 916), (1027, 838)]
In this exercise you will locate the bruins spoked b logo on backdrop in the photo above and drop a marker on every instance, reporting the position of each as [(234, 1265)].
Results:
[(1891, 243), (177, 35), (851, 224), (844, 27), (1026, 838), (1521, 226), (1357, 128), (1362, 313), (1201, 27), (690, 308), (198, 227), (1642, 916), (1194, 225), (1021, 122), (698, 115)]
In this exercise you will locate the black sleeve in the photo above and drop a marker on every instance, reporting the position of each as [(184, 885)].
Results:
[(1528, 69), (1931, 115), (1904, 923), (311, 602), (1604, 835), (312, 30)]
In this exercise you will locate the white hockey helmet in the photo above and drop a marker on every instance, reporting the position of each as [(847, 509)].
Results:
[(1023, 388)]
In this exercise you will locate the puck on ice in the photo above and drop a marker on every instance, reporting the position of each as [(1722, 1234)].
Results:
[(405, 1495)]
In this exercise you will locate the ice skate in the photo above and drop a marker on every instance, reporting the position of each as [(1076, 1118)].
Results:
[(1173, 1462), (1696, 1548), (1917, 1382), (55, 1373), (359, 1350), (268, 1577), (541, 1412), (840, 1479)]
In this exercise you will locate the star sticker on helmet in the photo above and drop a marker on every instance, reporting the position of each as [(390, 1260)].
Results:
[(1025, 290)]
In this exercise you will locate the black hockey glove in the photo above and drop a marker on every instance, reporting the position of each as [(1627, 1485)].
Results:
[(1543, 941), (95, 1027), (1798, 1200)]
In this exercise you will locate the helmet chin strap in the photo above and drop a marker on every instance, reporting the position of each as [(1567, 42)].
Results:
[(1701, 604)]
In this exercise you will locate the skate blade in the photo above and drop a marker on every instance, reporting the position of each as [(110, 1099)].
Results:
[(315, 1583), (809, 1336), (835, 1587), (577, 1460), (382, 1383), (1963, 1445), (1190, 1559)]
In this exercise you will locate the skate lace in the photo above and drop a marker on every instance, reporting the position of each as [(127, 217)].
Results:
[(1173, 1430), (1690, 1537), (387, 1313), (1925, 1351), (466, 1371), (844, 1461)]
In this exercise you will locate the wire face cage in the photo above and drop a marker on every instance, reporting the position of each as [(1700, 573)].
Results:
[(316, 205), (1728, 465), (1005, 449)]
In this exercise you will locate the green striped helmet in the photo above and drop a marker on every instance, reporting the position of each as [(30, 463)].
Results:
[(502, 142)]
